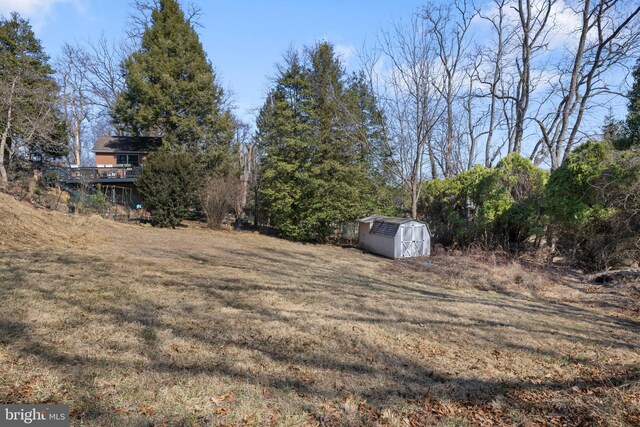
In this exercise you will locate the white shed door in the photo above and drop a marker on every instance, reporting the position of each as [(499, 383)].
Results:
[(412, 240)]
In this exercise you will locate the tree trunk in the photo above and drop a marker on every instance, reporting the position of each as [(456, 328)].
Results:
[(33, 183), (4, 180), (495, 79), (449, 171), (432, 162), (246, 176), (77, 152), (470, 124), (414, 202)]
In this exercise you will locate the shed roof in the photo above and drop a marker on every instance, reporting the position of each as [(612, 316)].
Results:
[(126, 144), (386, 225), (387, 219), (368, 219), (385, 228)]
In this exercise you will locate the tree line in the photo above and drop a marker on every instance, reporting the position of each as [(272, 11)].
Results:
[(472, 117)]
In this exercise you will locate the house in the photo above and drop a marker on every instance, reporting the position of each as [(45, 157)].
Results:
[(394, 237), (119, 158), (119, 161)]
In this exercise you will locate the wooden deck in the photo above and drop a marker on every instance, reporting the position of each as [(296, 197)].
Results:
[(94, 175)]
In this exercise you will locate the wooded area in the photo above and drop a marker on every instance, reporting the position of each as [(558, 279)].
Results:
[(477, 118), (202, 270)]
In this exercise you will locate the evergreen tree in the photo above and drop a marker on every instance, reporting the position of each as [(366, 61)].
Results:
[(171, 89), (317, 131), (614, 131), (612, 128), (367, 130), (284, 136), (633, 115), (335, 173), (29, 123), (169, 185)]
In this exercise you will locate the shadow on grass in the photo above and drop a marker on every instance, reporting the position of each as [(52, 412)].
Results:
[(366, 370)]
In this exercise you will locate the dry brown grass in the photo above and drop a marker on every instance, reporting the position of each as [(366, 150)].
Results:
[(24, 225), (201, 327)]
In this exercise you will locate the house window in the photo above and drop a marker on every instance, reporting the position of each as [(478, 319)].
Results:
[(127, 159)]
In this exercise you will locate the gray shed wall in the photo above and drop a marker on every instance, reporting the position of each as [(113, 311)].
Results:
[(381, 245), (363, 234)]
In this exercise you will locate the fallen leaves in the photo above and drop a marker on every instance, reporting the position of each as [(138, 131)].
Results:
[(221, 398), (145, 410)]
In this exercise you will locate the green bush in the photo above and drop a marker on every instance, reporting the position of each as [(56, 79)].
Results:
[(90, 202), (450, 206), (593, 201), (52, 175), (494, 207), (169, 186), (510, 200)]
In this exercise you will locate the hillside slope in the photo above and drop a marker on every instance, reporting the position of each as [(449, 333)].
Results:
[(197, 327), (24, 225)]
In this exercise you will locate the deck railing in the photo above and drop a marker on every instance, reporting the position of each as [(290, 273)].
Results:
[(97, 174)]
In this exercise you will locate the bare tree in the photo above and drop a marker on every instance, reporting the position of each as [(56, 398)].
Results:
[(411, 104), (8, 97), (219, 196), (532, 38), (491, 71), (448, 25), (105, 80), (72, 78), (90, 80), (476, 118), (246, 148), (28, 117), (140, 20), (29, 121), (548, 65), (608, 37)]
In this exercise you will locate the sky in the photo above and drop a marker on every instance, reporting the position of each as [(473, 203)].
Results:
[(243, 39), (246, 39)]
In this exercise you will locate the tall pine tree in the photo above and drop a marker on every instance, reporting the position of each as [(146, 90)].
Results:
[(284, 135), (171, 89), (367, 129), (316, 131), (29, 122), (633, 115)]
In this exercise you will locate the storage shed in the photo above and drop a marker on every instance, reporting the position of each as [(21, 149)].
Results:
[(394, 237)]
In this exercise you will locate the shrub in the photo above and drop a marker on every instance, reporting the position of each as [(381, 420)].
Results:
[(219, 196), (593, 201), (510, 199), (490, 206), (450, 206), (96, 202), (169, 186)]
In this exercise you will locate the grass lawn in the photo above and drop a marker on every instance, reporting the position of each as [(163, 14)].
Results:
[(132, 325)]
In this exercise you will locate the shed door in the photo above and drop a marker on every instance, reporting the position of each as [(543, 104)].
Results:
[(412, 240)]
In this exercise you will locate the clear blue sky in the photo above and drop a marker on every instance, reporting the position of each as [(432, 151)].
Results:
[(243, 39)]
